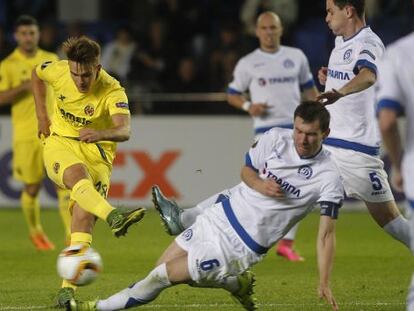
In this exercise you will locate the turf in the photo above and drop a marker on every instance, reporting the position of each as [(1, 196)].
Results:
[(371, 270)]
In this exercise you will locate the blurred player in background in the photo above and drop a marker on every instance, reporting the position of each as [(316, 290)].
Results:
[(396, 98), (91, 115), (355, 139), (276, 77), (15, 89), (231, 236)]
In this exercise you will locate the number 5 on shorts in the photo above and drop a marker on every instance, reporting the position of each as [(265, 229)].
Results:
[(376, 182)]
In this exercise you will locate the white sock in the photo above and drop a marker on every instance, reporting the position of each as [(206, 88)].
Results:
[(399, 229), (291, 233), (410, 297), (189, 215), (229, 283), (139, 293)]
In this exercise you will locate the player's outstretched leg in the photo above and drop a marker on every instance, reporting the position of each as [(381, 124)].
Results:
[(121, 218), (244, 294), (65, 294), (75, 305), (169, 212)]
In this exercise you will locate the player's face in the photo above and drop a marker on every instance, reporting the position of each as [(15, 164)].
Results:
[(27, 38), (307, 137), (336, 18), (269, 31), (83, 76)]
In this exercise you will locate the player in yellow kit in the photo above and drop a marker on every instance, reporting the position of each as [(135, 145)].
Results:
[(91, 115), (15, 89)]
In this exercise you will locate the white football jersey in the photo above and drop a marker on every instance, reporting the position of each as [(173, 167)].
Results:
[(259, 220), (275, 79), (353, 123), (396, 91)]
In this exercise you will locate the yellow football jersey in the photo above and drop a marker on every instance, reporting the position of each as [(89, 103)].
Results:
[(15, 69), (74, 110)]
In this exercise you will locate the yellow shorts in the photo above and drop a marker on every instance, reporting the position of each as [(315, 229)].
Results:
[(28, 161), (61, 153)]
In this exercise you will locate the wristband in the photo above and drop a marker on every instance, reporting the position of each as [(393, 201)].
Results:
[(246, 105)]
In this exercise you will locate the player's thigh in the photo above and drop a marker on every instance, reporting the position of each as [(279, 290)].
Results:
[(59, 154), (214, 250), (363, 176), (28, 161)]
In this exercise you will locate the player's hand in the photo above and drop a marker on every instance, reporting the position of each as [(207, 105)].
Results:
[(322, 75), (325, 293), (397, 180), (329, 97), (26, 85), (258, 109), (270, 188), (88, 135), (43, 128)]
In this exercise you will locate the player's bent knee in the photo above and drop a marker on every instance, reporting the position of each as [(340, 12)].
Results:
[(73, 174)]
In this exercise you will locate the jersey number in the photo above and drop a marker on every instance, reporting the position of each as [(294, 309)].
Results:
[(376, 182), (209, 264)]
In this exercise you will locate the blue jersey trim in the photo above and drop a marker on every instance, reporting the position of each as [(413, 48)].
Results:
[(336, 142), (356, 34), (390, 104), (261, 130), (365, 64), (248, 162), (221, 197), (242, 233), (307, 85), (232, 91)]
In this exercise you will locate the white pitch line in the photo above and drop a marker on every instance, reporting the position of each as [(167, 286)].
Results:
[(197, 306)]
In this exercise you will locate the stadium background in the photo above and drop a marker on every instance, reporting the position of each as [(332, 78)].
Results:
[(175, 61)]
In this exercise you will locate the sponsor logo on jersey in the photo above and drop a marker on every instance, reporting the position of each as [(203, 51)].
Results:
[(61, 97), (288, 63), (258, 65), (45, 64), (89, 110), (122, 105), (74, 120), (261, 81), (305, 171), (368, 53), (347, 56), (56, 167), (187, 234), (336, 74), (284, 184)]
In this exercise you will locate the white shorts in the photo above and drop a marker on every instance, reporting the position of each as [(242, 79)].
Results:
[(214, 249), (363, 176)]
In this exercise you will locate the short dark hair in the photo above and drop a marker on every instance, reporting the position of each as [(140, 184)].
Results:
[(359, 5), (25, 20), (82, 50), (311, 111)]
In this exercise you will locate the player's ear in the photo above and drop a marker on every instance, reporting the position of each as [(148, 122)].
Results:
[(326, 133), (98, 67)]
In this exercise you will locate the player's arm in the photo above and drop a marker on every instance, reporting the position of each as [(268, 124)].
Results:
[(326, 250), (9, 96), (363, 80), (388, 123), (268, 187), (39, 94), (310, 94), (240, 102), (120, 130)]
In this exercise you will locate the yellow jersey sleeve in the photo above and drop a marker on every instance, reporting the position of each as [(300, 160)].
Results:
[(117, 102), (50, 71)]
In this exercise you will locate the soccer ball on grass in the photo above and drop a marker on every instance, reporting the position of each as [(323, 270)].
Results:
[(79, 264)]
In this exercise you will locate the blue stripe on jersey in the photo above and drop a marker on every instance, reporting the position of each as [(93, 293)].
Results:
[(247, 239), (260, 130), (307, 85), (341, 143), (365, 64), (248, 162), (368, 53), (232, 91), (390, 104), (411, 203), (221, 197)]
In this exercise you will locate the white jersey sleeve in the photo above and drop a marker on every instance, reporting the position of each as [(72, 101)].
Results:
[(241, 77), (305, 74)]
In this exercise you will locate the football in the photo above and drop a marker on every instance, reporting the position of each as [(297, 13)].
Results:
[(79, 264)]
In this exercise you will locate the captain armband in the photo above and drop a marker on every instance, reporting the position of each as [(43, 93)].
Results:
[(330, 209)]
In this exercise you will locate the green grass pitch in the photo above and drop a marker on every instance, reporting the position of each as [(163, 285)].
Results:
[(371, 271)]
